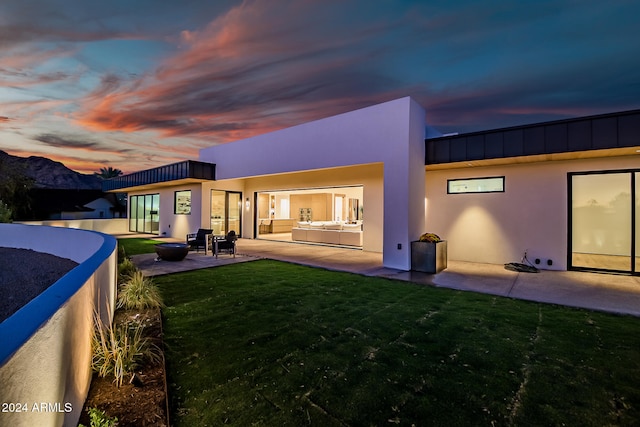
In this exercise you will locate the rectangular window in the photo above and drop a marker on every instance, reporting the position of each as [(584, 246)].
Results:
[(182, 202), (476, 185)]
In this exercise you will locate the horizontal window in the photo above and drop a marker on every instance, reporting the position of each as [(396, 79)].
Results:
[(476, 185)]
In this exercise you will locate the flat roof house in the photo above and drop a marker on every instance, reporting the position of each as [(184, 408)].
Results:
[(564, 192)]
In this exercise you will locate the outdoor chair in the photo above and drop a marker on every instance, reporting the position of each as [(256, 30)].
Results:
[(199, 240), (227, 244)]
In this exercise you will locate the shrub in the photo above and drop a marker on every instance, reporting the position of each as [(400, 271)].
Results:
[(99, 418), (122, 254), (5, 212), (139, 292), (119, 350), (126, 269)]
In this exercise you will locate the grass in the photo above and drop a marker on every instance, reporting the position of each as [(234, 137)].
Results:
[(138, 245), (270, 343)]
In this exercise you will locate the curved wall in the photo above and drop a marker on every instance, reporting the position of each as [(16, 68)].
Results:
[(107, 225), (45, 347)]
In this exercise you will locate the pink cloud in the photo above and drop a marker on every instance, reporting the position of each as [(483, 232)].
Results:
[(250, 71)]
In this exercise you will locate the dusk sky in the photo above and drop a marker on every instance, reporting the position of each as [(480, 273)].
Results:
[(135, 84)]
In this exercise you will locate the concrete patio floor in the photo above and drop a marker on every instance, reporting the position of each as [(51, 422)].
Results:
[(602, 292)]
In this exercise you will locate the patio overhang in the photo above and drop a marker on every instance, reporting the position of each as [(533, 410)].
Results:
[(186, 172)]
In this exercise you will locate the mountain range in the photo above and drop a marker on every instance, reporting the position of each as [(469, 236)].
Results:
[(51, 174)]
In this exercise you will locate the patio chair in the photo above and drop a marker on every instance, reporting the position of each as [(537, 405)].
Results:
[(199, 240), (227, 244)]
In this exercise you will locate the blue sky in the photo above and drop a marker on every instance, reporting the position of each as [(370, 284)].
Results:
[(137, 84)]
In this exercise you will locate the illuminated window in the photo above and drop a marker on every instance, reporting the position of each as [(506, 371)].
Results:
[(476, 185), (182, 205)]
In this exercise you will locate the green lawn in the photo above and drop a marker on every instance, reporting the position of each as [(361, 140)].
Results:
[(138, 245), (271, 343)]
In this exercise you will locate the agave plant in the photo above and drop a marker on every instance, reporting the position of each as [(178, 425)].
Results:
[(430, 237)]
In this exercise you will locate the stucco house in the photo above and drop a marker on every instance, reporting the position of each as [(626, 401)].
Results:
[(375, 179)]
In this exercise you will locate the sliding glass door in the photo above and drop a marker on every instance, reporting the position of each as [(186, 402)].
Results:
[(604, 221), (636, 216), (226, 212), (143, 213)]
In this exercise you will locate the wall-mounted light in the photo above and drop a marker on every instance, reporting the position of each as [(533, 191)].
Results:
[(247, 204)]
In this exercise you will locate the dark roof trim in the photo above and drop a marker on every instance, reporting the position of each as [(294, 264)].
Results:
[(605, 131), (188, 169)]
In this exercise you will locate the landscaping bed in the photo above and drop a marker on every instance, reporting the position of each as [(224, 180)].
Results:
[(143, 403), (129, 380)]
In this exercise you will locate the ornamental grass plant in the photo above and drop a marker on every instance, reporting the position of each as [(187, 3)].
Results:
[(126, 269), (118, 350), (138, 292)]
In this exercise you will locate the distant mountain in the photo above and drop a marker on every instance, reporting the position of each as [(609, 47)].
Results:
[(50, 174)]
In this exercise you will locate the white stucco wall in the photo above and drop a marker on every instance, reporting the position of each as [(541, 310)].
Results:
[(45, 347), (390, 133), (498, 227), (108, 226), (178, 226)]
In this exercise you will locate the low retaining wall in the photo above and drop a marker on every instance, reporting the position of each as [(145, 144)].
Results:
[(45, 347), (108, 225)]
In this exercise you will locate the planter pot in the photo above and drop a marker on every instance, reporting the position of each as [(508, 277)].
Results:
[(429, 257)]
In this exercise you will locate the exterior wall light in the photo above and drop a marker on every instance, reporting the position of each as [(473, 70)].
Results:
[(247, 204)]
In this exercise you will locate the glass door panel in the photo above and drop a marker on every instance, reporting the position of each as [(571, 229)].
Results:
[(601, 221), (218, 202), (234, 210), (133, 214), (140, 217), (637, 223), (147, 212), (226, 212), (155, 216)]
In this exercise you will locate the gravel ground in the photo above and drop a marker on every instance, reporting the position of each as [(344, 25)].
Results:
[(24, 274)]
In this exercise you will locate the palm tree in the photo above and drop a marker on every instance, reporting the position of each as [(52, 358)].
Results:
[(108, 172)]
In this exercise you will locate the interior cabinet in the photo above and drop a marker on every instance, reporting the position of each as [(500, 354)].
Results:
[(263, 205), (321, 205)]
